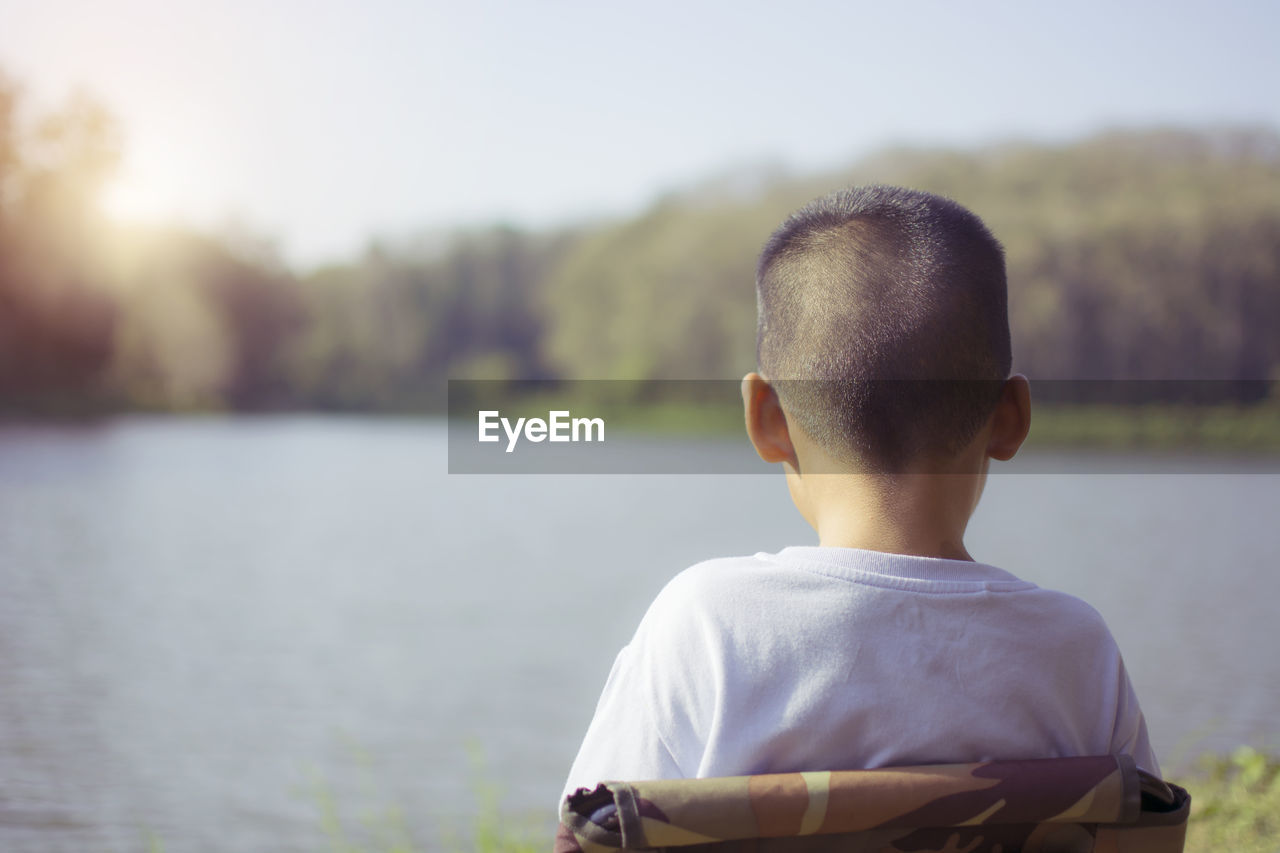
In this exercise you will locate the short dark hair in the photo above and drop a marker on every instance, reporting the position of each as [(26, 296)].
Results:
[(883, 323)]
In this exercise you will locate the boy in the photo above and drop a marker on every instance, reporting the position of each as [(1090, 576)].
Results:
[(884, 391)]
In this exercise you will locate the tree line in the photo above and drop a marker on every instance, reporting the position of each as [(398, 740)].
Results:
[(1134, 254)]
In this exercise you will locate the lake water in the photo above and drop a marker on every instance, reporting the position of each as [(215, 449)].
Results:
[(213, 629)]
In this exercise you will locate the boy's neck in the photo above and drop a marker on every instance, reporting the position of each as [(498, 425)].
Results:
[(922, 515)]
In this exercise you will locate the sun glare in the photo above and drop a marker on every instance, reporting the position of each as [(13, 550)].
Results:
[(158, 182), (134, 197)]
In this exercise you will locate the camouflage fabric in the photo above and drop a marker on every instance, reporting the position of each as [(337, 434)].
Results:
[(1097, 803)]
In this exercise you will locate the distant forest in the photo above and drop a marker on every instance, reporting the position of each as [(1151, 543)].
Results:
[(1134, 254)]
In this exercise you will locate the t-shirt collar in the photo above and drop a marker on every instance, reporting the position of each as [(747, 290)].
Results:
[(903, 566)]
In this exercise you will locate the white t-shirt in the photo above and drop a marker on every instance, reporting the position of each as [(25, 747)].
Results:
[(837, 658)]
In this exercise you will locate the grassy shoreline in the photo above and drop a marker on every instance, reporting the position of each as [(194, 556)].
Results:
[(1222, 428), (1235, 802), (1235, 806), (1161, 427), (1212, 428)]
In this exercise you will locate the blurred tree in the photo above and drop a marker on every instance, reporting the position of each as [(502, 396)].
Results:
[(56, 321), (204, 327), (1132, 254), (387, 331), (669, 295)]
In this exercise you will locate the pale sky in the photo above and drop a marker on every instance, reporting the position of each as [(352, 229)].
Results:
[(322, 123)]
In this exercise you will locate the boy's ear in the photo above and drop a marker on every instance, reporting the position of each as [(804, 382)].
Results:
[(766, 423), (1012, 418)]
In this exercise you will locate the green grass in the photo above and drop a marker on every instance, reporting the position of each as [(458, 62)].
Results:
[(384, 830), (1235, 806), (380, 827), (1235, 803), (1254, 429), (1214, 428)]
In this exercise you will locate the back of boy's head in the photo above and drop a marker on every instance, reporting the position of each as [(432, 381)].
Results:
[(883, 324)]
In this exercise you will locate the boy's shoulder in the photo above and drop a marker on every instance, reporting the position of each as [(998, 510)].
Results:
[(712, 574), (813, 580), (709, 584)]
